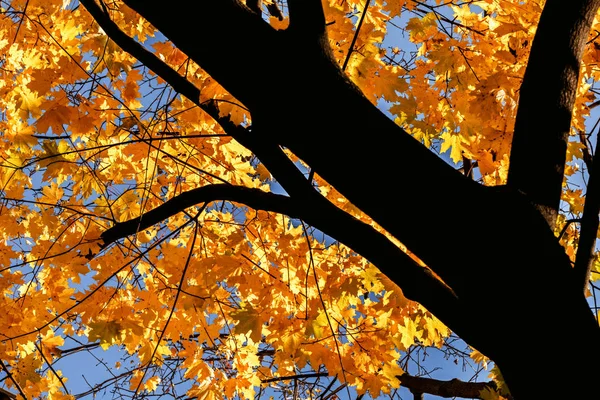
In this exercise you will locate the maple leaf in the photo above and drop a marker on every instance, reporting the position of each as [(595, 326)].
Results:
[(407, 333), (53, 193), (56, 116), (453, 142), (394, 7), (27, 103), (107, 332), (249, 322), (151, 384), (50, 344)]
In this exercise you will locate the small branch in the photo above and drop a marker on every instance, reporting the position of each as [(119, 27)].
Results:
[(77, 349), (299, 376), (467, 167), (254, 198), (448, 389), (12, 379), (567, 224), (588, 159), (178, 82), (49, 364), (351, 49)]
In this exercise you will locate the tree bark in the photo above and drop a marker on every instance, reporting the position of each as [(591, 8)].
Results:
[(546, 101), (448, 389)]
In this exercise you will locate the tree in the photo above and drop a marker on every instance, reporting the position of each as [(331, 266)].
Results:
[(141, 141)]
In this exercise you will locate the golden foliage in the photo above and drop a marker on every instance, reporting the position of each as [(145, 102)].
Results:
[(229, 296)]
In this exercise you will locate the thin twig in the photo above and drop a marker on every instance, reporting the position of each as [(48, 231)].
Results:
[(351, 50)]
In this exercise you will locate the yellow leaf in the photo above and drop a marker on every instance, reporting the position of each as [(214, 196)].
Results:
[(56, 116), (27, 103), (505, 28), (151, 384), (407, 334), (318, 326), (107, 332), (452, 141), (249, 322), (52, 194)]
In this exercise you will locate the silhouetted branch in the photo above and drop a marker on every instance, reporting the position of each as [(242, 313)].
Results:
[(584, 259), (448, 389), (324, 216), (547, 96), (178, 82), (254, 198), (12, 379), (299, 376), (353, 43), (307, 17)]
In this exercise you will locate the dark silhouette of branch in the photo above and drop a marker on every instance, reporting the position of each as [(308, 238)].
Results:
[(584, 259), (355, 37), (357, 235), (546, 101), (588, 158), (178, 82), (252, 197), (449, 389), (291, 377), (8, 395)]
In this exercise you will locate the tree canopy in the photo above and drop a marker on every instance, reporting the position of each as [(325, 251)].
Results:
[(298, 198)]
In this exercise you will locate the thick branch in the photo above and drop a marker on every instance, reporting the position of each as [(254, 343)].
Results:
[(589, 223), (448, 389), (357, 235), (546, 102), (215, 53), (252, 197), (306, 16)]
